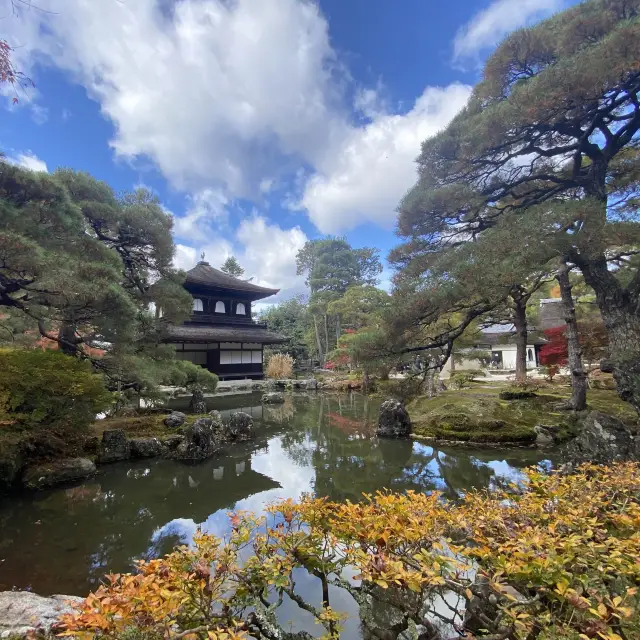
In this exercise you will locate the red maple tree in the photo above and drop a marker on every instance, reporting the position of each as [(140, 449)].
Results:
[(555, 353)]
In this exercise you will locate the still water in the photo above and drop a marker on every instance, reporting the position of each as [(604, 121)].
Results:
[(64, 540)]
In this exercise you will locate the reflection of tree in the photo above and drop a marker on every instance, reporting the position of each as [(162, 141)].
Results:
[(280, 413), (79, 534)]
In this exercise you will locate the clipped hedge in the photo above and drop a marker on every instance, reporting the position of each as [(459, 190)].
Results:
[(47, 388)]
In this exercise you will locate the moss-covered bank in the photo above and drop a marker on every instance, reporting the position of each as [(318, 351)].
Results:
[(479, 415)]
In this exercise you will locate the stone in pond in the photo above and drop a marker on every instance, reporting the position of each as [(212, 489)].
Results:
[(273, 397), (146, 447), (393, 421), (24, 614), (200, 441), (240, 426), (175, 419), (216, 419), (115, 447), (47, 475)]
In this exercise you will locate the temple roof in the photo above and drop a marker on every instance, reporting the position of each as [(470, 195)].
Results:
[(204, 274), (508, 337), (201, 333)]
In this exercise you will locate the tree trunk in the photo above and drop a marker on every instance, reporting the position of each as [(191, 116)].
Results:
[(452, 369), (520, 323), (578, 400), (338, 329), (67, 339), (619, 311), (326, 334), (431, 388), (318, 341)]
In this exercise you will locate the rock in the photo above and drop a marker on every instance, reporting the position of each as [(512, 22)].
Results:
[(310, 385), (23, 612), (606, 366), (394, 421), (216, 419), (146, 447), (273, 397), (175, 419), (115, 446), (545, 435), (171, 442), (223, 388), (257, 386), (197, 404), (240, 426), (66, 470), (603, 439), (601, 380), (200, 441)]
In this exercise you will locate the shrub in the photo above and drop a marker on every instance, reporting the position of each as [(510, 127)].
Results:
[(44, 388), (549, 371), (463, 378), (557, 559), (280, 366)]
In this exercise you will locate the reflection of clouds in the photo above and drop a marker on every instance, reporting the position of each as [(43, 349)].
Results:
[(272, 462), (181, 528), (504, 470)]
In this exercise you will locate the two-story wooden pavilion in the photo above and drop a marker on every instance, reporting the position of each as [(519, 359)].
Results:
[(221, 334)]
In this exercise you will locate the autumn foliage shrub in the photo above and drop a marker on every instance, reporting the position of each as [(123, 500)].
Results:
[(557, 559), (280, 366), (556, 352), (47, 388)]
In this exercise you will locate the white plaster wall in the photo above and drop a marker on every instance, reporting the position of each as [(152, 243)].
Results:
[(509, 355)]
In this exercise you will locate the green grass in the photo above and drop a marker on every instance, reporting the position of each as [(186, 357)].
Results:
[(479, 415)]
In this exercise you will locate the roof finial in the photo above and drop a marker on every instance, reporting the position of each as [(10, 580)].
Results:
[(202, 256)]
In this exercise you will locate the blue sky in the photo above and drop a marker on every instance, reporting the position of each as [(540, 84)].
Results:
[(259, 123)]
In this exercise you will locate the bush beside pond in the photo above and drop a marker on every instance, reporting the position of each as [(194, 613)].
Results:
[(557, 559), (47, 402)]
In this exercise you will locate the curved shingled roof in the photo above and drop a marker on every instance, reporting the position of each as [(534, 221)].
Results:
[(204, 274), (208, 333)]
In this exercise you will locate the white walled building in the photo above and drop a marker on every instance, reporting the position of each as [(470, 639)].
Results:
[(501, 349)]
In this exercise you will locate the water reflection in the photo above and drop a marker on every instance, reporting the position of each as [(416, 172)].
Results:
[(63, 541)]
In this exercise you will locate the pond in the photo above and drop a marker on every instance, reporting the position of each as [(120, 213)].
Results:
[(64, 540)]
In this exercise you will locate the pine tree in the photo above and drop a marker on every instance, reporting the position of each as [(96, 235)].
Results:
[(550, 138), (232, 267)]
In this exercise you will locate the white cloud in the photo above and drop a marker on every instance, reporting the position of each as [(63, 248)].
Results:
[(366, 176), (488, 27), (265, 250), (39, 114), (226, 97), (212, 91), (269, 254), (215, 252), (29, 161), (206, 209)]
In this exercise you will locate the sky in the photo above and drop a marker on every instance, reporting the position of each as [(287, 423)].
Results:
[(259, 124)]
